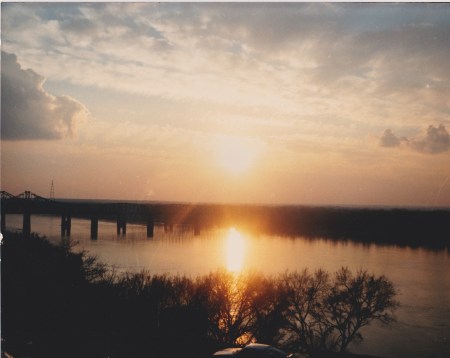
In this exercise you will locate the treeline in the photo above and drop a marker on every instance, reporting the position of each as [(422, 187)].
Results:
[(57, 303), (405, 227)]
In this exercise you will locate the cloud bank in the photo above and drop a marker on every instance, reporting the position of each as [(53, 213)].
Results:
[(28, 111), (435, 140), (291, 58)]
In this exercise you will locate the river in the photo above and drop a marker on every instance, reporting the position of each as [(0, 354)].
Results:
[(421, 276)]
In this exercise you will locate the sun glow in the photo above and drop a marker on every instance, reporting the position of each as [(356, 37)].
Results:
[(235, 250), (235, 155)]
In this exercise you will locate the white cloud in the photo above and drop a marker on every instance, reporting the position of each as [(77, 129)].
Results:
[(366, 64), (28, 111)]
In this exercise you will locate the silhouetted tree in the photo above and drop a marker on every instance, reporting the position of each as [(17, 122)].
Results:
[(227, 306), (241, 308), (328, 313), (353, 302), (269, 308), (305, 330), (69, 305), (45, 296)]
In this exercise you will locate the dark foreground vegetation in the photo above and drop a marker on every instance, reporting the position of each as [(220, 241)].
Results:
[(57, 303)]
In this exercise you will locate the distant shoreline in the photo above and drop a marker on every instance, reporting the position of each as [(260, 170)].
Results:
[(415, 227), (270, 205)]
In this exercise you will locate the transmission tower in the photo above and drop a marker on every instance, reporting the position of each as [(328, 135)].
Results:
[(52, 191)]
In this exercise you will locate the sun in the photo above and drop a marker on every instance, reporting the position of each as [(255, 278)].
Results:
[(234, 154)]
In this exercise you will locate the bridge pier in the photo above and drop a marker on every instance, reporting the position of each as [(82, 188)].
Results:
[(150, 227), (26, 227), (94, 227), (3, 224), (66, 223), (121, 225)]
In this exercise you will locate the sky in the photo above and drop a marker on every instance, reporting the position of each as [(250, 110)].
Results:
[(274, 103)]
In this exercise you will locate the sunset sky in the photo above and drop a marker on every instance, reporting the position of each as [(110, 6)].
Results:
[(294, 103)]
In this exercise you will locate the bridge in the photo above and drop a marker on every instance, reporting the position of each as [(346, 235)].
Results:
[(412, 227), (28, 203)]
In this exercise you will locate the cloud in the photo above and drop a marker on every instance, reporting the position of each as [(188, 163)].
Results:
[(28, 111), (372, 65), (389, 139), (435, 140)]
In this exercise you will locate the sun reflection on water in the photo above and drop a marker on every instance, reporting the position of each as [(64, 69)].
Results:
[(235, 250)]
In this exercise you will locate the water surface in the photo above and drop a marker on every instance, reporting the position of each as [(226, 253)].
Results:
[(421, 276)]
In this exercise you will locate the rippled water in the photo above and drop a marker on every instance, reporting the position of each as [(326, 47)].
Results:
[(421, 276)]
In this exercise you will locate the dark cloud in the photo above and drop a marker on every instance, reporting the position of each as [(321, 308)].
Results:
[(28, 111), (435, 140), (389, 139)]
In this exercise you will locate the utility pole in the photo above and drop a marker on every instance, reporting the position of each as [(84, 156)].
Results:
[(52, 191)]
